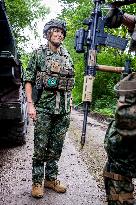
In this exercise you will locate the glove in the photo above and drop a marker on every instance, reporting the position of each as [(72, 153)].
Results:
[(114, 18)]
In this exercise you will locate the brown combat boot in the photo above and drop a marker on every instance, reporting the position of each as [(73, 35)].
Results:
[(56, 185), (38, 190)]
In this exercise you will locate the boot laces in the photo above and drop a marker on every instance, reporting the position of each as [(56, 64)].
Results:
[(56, 182)]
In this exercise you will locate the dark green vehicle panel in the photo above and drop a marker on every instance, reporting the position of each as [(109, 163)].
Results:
[(13, 107)]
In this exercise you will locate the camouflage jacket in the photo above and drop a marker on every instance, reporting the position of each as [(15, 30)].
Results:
[(125, 117), (51, 101)]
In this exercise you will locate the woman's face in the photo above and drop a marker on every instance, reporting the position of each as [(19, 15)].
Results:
[(57, 36)]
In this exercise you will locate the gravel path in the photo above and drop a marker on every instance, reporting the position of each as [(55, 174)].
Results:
[(93, 153), (81, 176)]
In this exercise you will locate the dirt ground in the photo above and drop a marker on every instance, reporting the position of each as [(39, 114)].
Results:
[(80, 170), (93, 153)]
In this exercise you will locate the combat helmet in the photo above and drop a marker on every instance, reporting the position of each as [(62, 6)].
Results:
[(55, 23)]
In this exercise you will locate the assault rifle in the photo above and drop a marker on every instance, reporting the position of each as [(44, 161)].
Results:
[(87, 42)]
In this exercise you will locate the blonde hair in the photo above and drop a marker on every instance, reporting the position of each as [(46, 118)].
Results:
[(49, 33)]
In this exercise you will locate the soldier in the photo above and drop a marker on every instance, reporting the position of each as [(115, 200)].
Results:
[(120, 138), (50, 73)]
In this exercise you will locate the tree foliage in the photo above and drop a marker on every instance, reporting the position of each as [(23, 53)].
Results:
[(24, 13)]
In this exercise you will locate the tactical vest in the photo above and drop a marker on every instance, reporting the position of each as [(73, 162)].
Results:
[(57, 74), (125, 116)]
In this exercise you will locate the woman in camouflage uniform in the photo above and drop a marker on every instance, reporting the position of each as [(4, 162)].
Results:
[(120, 138), (50, 75)]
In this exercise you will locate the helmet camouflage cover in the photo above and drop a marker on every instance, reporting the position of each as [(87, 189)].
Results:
[(55, 23)]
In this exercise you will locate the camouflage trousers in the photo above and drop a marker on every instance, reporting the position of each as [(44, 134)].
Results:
[(120, 167), (49, 135)]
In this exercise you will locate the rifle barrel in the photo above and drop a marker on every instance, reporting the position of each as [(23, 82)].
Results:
[(86, 108)]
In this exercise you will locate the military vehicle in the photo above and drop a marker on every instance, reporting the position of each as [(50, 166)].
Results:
[(13, 106)]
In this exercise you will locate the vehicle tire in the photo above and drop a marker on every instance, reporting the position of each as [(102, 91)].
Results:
[(17, 132), (13, 132)]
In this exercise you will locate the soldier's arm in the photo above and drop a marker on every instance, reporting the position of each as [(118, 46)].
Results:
[(30, 105), (129, 21), (29, 82), (28, 90), (30, 76), (116, 17)]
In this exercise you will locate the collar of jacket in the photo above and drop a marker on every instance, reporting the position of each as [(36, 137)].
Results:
[(50, 52)]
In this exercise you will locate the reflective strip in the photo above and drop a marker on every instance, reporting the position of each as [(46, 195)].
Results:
[(116, 177), (57, 108), (120, 197)]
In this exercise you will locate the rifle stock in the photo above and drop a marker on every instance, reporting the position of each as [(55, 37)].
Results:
[(111, 69)]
